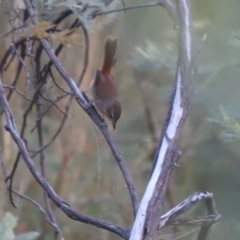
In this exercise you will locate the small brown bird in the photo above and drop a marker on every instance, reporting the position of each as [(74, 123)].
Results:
[(103, 88)]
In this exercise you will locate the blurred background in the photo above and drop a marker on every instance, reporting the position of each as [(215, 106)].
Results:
[(79, 163)]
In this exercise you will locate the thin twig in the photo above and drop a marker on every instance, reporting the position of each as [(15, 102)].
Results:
[(21, 59), (211, 209), (144, 5), (54, 102), (67, 107), (167, 4), (46, 69), (170, 218), (49, 213), (2, 164), (26, 197), (21, 42), (86, 56), (19, 67), (57, 84), (18, 92), (40, 208), (48, 108), (23, 128), (37, 61), (48, 208)]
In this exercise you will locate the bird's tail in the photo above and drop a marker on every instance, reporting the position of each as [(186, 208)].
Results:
[(109, 53)]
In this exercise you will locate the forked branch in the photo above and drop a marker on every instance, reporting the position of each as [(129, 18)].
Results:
[(90, 110), (70, 212), (146, 224)]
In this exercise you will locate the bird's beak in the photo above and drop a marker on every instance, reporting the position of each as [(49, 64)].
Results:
[(114, 124)]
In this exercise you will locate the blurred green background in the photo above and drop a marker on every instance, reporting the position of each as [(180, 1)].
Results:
[(79, 163)]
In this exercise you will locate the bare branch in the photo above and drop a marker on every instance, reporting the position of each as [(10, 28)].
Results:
[(55, 82), (38, 81), (54, 102), (64, 118), (86, 56), (167, 153), (56, 227), (2, 164), (67, 107), (26, 197), (47, 68), (170, 8), (21, 59), (48, 208), (21, 43), (170, 218), (91, 111), (18, 92), (145, 5), (23, 128), (211, 209), (70, 212)]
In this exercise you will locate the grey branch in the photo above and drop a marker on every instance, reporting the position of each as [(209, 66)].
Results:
[(170, 218), (70, 212), (170, 8), (146, 223), (90, 110)]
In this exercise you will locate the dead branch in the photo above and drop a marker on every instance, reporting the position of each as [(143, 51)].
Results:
[(70, 212), (145, 225), (170, 218), (83, 101)]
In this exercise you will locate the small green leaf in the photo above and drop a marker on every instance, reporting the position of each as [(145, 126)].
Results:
[(6, 227)]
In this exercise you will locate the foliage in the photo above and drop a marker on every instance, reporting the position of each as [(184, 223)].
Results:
[(82, 9), (151, 56), (223, 116), (7, 224), (66, 37), (234, 46), (232, 127)]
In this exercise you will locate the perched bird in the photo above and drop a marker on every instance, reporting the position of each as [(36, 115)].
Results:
[(103, 88)]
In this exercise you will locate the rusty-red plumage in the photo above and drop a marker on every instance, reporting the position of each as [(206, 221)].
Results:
[(103, 88)]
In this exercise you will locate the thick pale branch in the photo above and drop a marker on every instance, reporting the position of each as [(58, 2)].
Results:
[(145, 225)]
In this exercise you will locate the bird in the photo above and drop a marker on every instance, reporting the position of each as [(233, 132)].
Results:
[(103, 88)]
